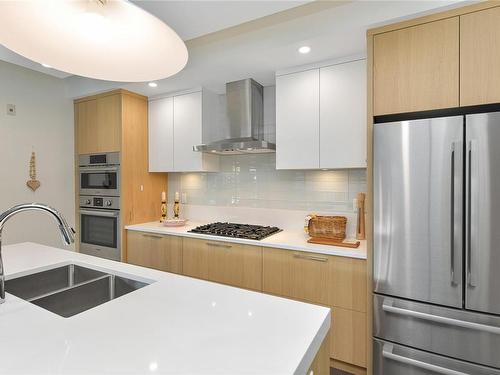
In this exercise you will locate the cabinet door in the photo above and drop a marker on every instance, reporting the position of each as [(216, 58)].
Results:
[(343, 115), (86, 126), (161, 135), (187, 132), (297, 120), (155, 251), (317, 278), (479, 57), (223, 262), (109, 123), (417, 68), (348, 336)]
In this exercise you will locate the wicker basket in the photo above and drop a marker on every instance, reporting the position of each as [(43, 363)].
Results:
[(332, 227)]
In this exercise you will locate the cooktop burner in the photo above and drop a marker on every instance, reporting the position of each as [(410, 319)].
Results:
[(247, 231)]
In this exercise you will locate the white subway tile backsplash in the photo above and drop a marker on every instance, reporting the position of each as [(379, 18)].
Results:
[(253, 181)]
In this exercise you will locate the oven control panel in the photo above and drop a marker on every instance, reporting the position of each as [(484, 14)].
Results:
[(89, 201)]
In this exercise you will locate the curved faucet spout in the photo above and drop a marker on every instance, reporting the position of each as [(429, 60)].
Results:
[(66, 231)]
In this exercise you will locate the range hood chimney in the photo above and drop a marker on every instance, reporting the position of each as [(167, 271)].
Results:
[(245, 111)]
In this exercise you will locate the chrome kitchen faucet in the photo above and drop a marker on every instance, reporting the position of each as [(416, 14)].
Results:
[(66, 231)]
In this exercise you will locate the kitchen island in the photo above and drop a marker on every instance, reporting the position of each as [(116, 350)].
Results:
[(174, 325)]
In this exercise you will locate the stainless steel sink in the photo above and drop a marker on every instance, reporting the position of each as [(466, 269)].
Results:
[(71, 289)]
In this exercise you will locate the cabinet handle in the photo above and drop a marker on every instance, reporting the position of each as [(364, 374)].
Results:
[(151, 236), (218, 245), (310, 257)]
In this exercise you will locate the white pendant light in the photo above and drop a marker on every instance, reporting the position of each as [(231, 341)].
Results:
[(112, 40)]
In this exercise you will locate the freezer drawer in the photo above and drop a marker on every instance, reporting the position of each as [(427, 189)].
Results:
[(455, 333), (418, 209), (393, 359)]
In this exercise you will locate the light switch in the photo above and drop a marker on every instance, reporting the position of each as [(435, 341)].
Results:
[(184, 198), (11, 109)]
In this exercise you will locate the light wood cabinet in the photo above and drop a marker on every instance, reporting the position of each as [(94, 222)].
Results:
[(348, 336), (98, 124), (223, 262), (175, 125), (118, 121), (337, 282), (479, 57), (416, 68), (323, 279), (155, 251)]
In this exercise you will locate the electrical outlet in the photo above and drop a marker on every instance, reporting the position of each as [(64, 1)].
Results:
[(11, 109), (184, 198)]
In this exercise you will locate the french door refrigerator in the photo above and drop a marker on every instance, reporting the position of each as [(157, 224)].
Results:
[(436, 261)]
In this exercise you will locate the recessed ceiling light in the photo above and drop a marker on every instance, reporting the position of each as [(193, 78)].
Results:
[(152, 84), (46, 65), (305, 49), (109, 40)]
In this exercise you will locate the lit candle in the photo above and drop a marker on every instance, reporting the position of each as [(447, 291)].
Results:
[(176, 195), (163, 196)]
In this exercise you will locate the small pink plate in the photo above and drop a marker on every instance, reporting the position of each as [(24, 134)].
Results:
[(174, 222)]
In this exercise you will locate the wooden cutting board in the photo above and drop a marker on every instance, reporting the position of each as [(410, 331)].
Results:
[(328, 241)]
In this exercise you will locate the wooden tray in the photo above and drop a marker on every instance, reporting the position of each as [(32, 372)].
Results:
[(329, 241)]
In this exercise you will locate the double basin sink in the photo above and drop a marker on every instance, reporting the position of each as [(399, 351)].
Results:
[(71, 289)]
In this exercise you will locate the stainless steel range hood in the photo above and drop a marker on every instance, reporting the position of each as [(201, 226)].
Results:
[(245, 131)]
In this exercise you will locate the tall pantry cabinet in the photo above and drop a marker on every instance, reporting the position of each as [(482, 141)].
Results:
[(117, 121)]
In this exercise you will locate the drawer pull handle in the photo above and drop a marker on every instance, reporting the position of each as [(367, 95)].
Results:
[(388, 307), (218, 245), (310, 257), (387, 353), (151, 236)]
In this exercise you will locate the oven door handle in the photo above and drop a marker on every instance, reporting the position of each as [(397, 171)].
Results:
[(98, 170), (100, 213)]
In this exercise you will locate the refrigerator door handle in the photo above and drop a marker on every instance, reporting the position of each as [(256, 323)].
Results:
[(452, 215), (471, 216), (387, 352), (387, 306)]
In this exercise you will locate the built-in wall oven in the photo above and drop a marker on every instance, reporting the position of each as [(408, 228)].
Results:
[(100, 226), (100, 174)]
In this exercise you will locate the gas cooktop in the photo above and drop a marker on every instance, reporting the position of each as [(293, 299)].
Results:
[(247, 231)]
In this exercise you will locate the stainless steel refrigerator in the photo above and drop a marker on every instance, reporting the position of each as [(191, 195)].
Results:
[(437, 246)]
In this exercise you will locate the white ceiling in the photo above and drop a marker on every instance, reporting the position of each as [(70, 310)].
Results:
[(191, 19), (260, 47)]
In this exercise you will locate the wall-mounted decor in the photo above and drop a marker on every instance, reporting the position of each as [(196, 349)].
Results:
[(33, 183)]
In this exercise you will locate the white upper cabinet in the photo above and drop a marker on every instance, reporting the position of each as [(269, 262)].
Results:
[(321, 117), (297, 120), (175, 126), (343, 115), (161, 135)]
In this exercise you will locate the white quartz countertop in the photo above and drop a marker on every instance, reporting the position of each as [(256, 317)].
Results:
[(176, 325), (289, 240)]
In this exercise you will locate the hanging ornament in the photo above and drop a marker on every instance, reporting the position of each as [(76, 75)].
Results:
[(33, 183)]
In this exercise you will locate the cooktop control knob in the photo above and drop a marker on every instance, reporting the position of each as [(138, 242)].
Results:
[(87, 201), (108, 203)]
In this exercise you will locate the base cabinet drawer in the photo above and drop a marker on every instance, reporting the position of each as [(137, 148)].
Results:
[(155, 251), (223, 262), (393, 359), (348, 336), (317, 278)]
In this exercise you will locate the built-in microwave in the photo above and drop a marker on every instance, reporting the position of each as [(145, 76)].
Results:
[(100, 174)]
